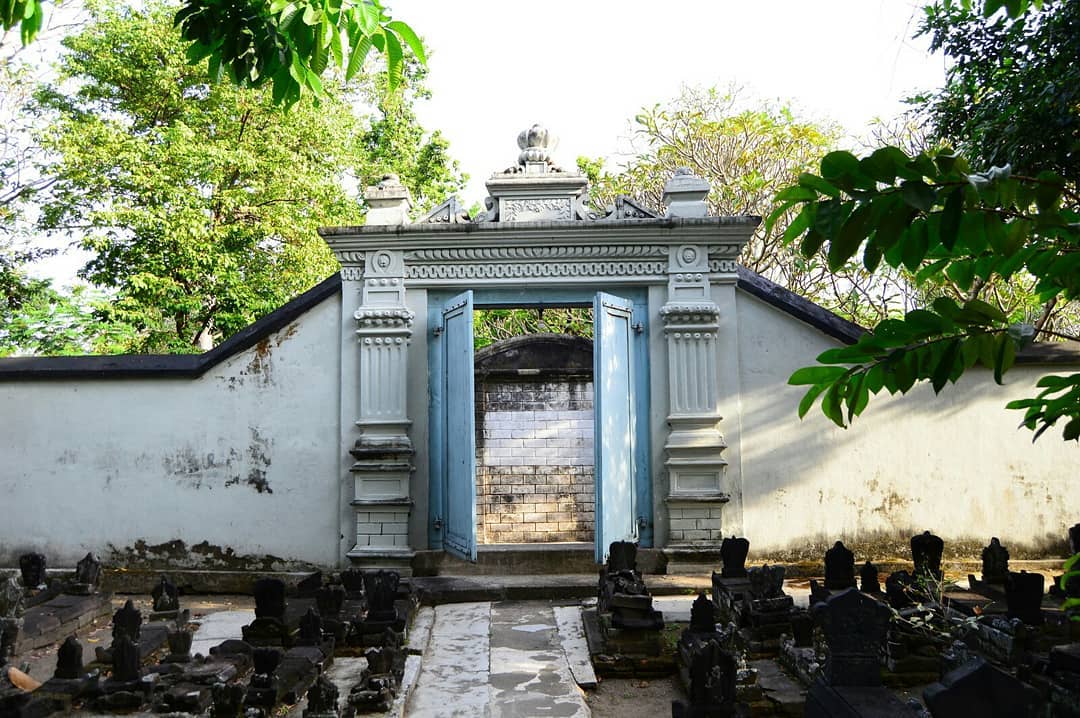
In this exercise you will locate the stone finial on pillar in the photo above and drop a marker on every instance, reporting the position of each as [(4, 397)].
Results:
[(388, 202), (685, 194)]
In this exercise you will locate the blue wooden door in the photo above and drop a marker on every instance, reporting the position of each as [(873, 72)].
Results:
[(459, 420), (613, 392)]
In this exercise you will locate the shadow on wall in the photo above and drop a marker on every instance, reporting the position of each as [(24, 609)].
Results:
[(954, 463)]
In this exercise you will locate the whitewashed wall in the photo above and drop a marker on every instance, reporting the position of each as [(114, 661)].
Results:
[(955, 463), (241, 464)]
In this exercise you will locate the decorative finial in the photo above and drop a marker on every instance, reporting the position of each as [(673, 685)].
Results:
[(536, 145), (685, 194)]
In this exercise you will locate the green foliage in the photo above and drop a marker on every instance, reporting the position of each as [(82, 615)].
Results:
[(1071, 604), (55, 323), (492, 325), (200, 201), (1012, 90), (931, 215), (747, 153), (293, 44)]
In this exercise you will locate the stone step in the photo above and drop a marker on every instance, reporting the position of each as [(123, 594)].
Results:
[(525, 559)]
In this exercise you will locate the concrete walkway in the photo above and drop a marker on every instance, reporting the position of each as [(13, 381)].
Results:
[(496, 660)]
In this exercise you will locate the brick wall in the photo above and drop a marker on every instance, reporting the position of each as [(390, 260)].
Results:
[(534, 460)]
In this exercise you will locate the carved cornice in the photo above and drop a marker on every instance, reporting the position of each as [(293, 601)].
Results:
[(530, 270), (690, 313), (545, 253), (384, 319)]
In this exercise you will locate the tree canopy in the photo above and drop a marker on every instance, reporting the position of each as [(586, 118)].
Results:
[(291, 44), (747, 151), (200, 201), (946, 223)]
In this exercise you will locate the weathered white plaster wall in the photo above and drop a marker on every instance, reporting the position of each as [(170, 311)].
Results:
[(244, 458), (955, 463)]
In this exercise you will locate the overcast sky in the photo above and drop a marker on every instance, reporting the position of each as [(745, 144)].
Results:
[(585, 68)]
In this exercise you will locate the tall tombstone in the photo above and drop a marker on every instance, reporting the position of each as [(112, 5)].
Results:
[(733, 552), (926, 550), (307, 587), (380, 588), (322, 699), (855, 626), (702, 615), (868, 579), (32, 568), (353, 581), (179, 646), (839, 568), (995, 562), (126, 662), (87, 575), (330, 600), (166, 596), (69, 660), (1024, 595), (127, 623), (712, 691), (622, 556), (310, 629), (269, 596)]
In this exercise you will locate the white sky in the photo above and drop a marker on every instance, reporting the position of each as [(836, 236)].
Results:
[(585, 68)]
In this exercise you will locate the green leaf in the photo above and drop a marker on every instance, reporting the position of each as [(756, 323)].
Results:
[(406, 33), (914, 245), (808, 399), (837, 165), (795, 193), (817, 183), (918, 194), (801, 223), (950, 217), (847, 240), (357, 54), (1004, 357), (946, 366), (816, 375), (885, 164), (394, 59), (963, 273)]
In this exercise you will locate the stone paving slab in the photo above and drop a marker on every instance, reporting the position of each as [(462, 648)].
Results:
[(575, 647), (220, 626), (454, 674)]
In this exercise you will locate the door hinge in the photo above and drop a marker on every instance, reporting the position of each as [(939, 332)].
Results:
[(638, 328), (437, 524), (642, 523), (437, 331)]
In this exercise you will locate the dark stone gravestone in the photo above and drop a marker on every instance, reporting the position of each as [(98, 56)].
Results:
[(623, 594), (702, 615), (765, 612), (855, 626), (711, 690), (269, 594), (1024, 595), (227, 700), (307, 587), (126, 665), (926, 550), (69, 660), (127, 623), (268, 628), (818, 593), (262, 690), (322, 699), (330, 600), (995, 562), (733, 552), (868, 579), (839, 568), (981, 689), (380, 682), (166, 599), (310, 629), (179, 646), (380, 589), (87, 576), (897, 587), (731, 584), (1074, 538), (32, 569), (353, 581)]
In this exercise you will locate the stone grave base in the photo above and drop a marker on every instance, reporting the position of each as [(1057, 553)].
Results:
[(623, 653), (57, 618), (824, 701)]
